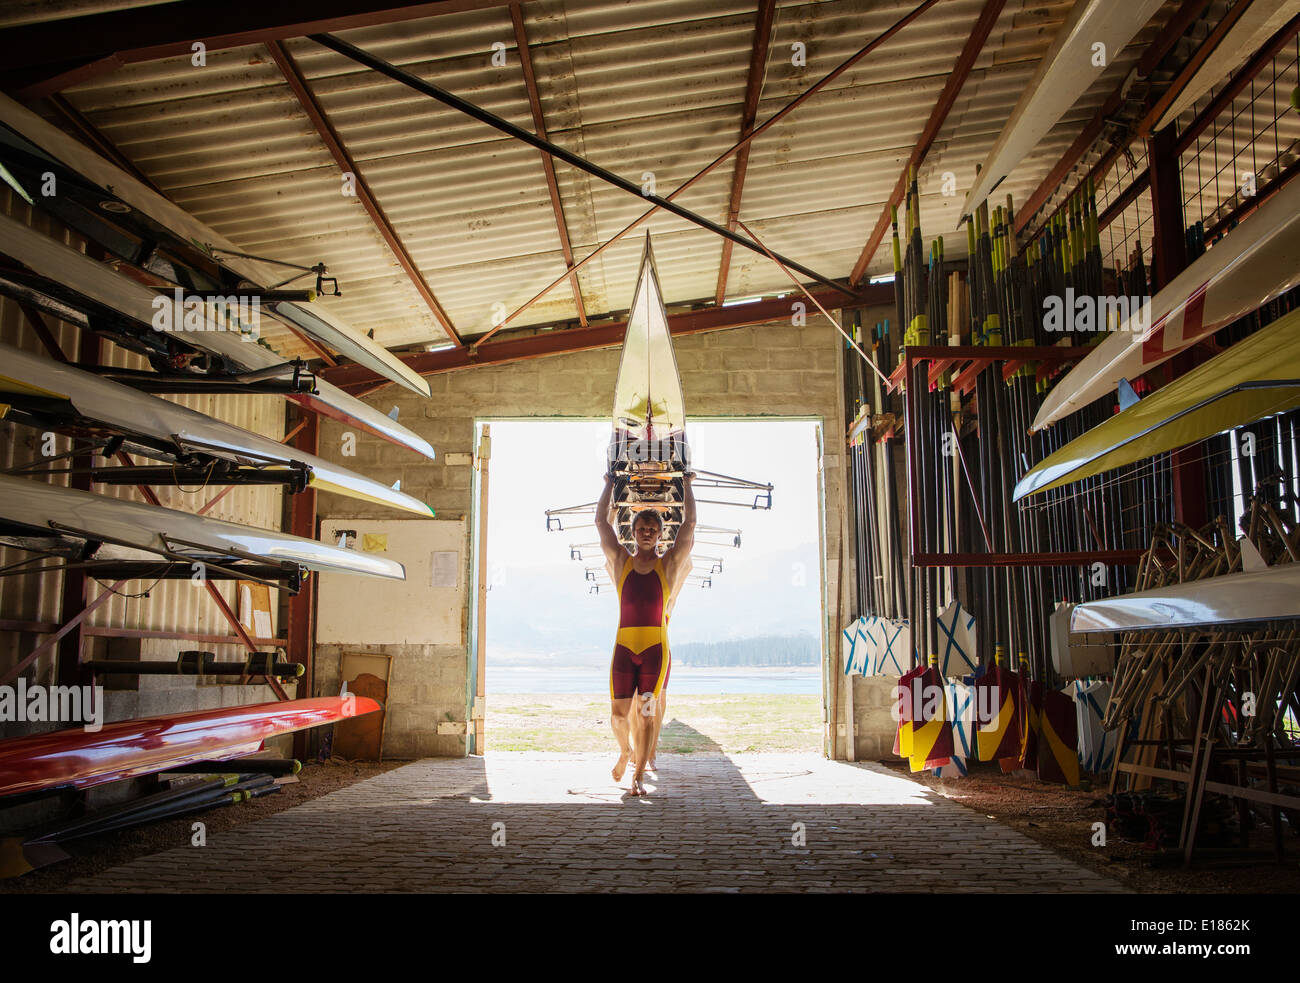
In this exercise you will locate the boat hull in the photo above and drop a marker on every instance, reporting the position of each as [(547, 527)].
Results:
[(79, 758), (1251, 265), (33, 505), (1239, 598)]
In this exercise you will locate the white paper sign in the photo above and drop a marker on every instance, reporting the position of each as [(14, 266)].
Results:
[(444, 571)]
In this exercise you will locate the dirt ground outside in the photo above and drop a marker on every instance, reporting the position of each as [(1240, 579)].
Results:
[(731, 723)]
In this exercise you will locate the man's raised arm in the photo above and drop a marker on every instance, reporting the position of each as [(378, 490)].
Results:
[(609, 543), (685, 540)]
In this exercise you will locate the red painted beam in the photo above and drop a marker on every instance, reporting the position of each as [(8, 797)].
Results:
[(334, 144), (47, 57), (768, 123), (952, 88), (43, 332), (1215, 108), (69, 628), (548, 166), (360, 381), (1168, 239), (1191, 67), (748, 114)]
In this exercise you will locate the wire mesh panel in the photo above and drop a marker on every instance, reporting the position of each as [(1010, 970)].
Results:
[(1128, 235), (1248, 148)]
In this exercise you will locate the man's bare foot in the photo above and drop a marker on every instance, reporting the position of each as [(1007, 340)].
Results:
[(621, 768)]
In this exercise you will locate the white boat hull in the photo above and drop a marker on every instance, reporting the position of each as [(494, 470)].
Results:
[(103, 286), (1265, 595), (1251, 265), (326, 328), (125, 410), (35, 505), (1066, 72)]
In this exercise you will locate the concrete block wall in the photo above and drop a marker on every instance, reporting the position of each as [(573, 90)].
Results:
[(875, 726), (427, 687), (772, 370)]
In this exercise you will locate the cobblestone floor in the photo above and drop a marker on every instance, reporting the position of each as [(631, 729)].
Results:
[(713, 822)]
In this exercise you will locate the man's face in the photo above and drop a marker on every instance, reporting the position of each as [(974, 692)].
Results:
[(646, 534)]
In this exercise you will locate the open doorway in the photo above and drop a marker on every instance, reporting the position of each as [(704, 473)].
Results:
[(746, 632)]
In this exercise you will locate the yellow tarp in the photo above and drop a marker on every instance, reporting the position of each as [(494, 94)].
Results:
[(1255, 378)]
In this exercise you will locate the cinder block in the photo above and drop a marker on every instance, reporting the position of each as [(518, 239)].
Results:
[(793, 359), (731, 338), (121, 705), (817, 382), (565, 382), (742, 359), (704, 382), (207, 697), (471, 381), (522, 383), (401, 746)]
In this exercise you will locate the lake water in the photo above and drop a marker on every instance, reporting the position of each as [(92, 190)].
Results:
[(687, 680)]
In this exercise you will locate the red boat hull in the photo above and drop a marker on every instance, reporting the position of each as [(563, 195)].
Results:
[(127, 748)]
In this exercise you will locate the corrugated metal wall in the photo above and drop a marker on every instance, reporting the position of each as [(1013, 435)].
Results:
[(176, 606)]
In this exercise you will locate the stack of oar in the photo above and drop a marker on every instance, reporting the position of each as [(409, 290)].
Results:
[(874, 517), (962, 476), (226, 786)]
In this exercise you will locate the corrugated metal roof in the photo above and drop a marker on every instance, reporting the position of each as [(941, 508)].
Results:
[(650, 87)]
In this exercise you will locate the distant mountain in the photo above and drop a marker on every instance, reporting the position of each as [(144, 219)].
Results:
[(764, 650), (545, 615)]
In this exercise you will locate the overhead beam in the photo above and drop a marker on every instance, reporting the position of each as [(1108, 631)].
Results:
[(749, 112), (334, 144), (360, 381), (548, 167), (699, 175), (43, 58), (957, 78), (377, 64)]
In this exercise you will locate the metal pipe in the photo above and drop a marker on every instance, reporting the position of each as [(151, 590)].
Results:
[(374, 63)]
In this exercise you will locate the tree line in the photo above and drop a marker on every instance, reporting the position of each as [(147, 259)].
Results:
[(763, 650)]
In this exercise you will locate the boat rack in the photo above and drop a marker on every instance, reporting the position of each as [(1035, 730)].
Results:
[(966, 362)]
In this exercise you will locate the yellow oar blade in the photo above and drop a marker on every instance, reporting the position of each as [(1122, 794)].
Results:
[(1255, 378)]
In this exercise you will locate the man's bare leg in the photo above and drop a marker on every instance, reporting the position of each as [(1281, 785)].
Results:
[(645, 727), (657, 726), (620, 719)]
